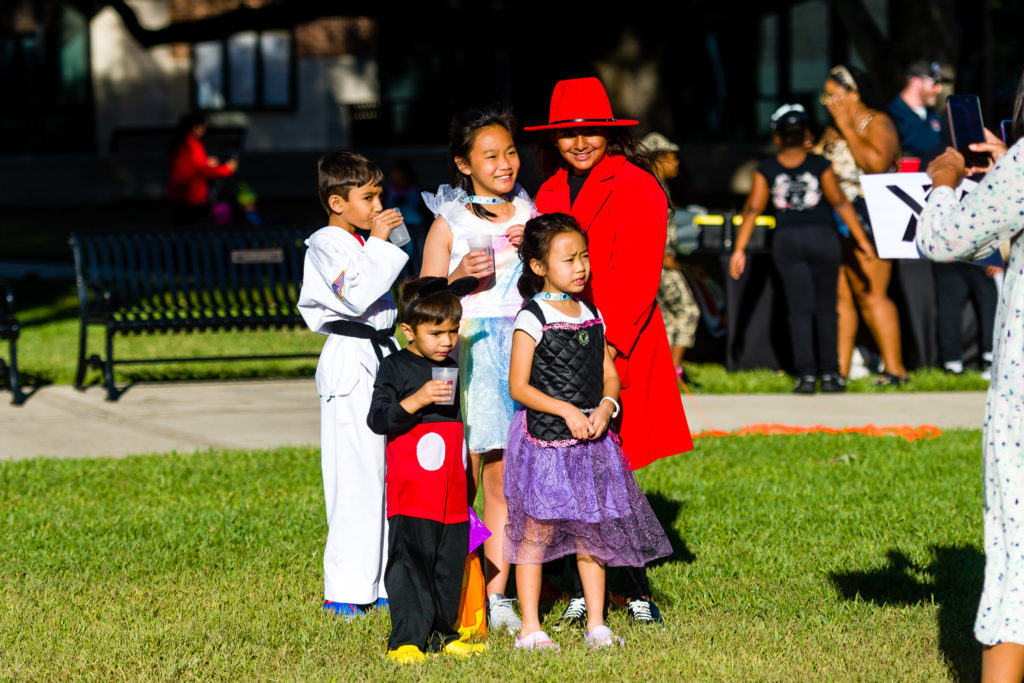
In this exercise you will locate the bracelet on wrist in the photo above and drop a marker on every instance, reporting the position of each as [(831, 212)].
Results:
[(615, 403)]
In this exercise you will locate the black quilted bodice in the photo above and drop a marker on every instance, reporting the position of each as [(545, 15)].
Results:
[(568, 364)]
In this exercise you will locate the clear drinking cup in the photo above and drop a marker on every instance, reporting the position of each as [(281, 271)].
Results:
[(449, 375), (478, 242), (399, 235)]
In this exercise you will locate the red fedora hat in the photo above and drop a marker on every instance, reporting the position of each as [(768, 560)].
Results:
[(580, 103)]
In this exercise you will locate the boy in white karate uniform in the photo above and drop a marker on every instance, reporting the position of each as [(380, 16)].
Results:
[(346, 295)]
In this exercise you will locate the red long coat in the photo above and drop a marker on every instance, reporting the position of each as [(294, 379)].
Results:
[(191, 172), (625, 215)]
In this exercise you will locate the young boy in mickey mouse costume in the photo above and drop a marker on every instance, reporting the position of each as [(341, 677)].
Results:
[(427, 509)]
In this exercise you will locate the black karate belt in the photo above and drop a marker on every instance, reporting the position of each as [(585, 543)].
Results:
[(379, 338)]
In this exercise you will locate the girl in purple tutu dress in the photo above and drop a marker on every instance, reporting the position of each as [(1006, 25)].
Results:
[(568, 486)]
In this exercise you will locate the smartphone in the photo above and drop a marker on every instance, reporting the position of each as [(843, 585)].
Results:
[(965, 127), (1010, 131)]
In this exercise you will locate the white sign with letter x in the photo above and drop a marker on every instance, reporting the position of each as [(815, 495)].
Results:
[(895, 202)]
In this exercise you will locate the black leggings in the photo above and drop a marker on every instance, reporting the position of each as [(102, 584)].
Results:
[(807, 260)]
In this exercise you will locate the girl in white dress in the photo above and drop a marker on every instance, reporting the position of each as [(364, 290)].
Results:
[(484, 202)]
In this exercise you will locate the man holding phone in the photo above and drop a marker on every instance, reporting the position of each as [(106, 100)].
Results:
[(921, 137)]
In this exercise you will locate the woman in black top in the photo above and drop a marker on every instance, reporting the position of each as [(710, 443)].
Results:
[(806, 246)]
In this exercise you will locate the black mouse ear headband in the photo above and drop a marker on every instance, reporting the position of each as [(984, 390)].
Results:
[(438, 285)]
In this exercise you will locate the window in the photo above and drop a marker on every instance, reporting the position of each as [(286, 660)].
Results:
[(45, 78), (249, 70)]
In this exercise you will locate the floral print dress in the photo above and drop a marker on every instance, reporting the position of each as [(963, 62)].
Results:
[(973, 228)]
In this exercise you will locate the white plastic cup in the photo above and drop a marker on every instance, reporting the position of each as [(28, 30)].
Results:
[(399, 235), (478, 242), (449, 375)]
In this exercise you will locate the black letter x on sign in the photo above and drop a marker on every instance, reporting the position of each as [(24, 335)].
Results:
[(915, 208)]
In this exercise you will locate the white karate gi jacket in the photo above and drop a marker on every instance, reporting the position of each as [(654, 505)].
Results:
[(344, 279)]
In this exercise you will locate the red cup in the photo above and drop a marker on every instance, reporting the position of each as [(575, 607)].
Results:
[(910, 165)]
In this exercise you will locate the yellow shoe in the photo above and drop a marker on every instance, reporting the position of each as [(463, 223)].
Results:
[(406, 654), (458, 648)]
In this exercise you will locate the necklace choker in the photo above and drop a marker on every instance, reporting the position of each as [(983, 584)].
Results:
[(478, 199), (552, 296)]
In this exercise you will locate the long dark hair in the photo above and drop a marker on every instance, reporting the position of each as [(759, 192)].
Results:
[(538, 234), (620, 143), (461, 138), (1018, 113), (863, 84)]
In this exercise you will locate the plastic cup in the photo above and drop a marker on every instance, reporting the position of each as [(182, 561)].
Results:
[(449, 375), (399, 235), (910, 165), (478, 242)]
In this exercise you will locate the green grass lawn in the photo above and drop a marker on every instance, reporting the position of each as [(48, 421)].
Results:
[(797, 558), (48, 350)]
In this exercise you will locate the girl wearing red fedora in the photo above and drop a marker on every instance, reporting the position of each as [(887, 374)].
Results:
[(596, 174)]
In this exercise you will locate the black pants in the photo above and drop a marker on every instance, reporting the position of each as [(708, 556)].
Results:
[(807, 260), (426, 560), (954, 282)]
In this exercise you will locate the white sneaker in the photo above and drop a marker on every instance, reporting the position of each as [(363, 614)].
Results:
[(501, 616)]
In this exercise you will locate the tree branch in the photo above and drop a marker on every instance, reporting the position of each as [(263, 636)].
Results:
[(276, 15)]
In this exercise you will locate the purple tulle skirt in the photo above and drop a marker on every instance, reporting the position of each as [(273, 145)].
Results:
[(577, 498)]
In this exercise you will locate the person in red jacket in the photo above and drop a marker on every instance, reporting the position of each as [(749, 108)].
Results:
[(598, 177), (191, 169)]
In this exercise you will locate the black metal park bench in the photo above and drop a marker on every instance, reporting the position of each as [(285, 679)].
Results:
[(183, 281), (9, 331)]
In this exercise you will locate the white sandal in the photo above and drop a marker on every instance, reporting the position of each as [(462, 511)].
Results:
[(602, 636), (538, 640)]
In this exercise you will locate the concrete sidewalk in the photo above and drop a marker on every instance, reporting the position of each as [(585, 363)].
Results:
[(61, 422)]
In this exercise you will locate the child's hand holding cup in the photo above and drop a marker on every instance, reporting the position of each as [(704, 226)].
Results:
[(478, 242), (383, 223), (399, 235), (448, 375)]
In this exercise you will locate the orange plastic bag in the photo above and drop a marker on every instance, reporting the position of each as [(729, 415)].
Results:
[(473, 601)]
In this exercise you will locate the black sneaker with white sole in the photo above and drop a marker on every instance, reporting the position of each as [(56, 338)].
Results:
[(644, 611), (575, 615)]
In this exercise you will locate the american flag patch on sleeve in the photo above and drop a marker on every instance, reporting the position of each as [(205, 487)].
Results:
[(338, 284)]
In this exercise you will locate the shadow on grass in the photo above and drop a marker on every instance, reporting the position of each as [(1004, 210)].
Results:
[(124, 380), (559, 584), (667, 511), (952, 581), (40, 302), (52, 314)]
